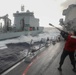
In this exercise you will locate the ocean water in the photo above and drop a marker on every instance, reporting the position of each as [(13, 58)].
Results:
[(47, 32)]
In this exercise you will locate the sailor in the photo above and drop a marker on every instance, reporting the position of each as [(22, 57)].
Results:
[(69, 49)]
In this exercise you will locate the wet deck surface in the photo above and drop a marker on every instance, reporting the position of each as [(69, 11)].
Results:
[(42, 64)]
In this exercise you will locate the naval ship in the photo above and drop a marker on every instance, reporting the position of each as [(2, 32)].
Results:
[(25, 23), (69, 22)]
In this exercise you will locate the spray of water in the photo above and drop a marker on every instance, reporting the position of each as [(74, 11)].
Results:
[(51, 33)]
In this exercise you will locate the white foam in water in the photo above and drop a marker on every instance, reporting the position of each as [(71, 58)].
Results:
[(51, 33), (3, 46)]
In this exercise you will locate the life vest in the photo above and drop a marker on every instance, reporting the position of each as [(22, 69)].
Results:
[(70, 43)]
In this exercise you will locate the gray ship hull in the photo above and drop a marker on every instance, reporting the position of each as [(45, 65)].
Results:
[(10, 35)]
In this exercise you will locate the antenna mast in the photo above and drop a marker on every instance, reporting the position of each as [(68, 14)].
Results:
[(22, 8)]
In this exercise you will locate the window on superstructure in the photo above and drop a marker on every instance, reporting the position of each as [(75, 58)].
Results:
[(33, 28), (37, 28), (27, 25), (30, 28)]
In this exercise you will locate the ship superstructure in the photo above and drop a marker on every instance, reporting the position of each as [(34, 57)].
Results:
[(7, 24), (70, 18), (26, 21)]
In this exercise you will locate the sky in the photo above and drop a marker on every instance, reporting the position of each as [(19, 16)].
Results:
[(48, 11)]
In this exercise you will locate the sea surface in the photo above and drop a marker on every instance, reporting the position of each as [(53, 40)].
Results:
[(47, 32)]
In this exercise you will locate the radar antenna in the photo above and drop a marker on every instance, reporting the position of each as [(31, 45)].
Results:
[(22, 8)]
